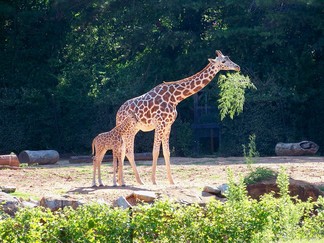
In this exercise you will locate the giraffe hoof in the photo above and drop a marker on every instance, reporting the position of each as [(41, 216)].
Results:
[(94, 186), (114, 185), (123, 185), (101, 185)]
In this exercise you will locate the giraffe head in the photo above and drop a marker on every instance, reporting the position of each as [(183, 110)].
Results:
[(223, 62)]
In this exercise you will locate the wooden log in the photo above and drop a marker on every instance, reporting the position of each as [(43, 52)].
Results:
[(41, 157), (107, 158), (296, 149), (9, 160)]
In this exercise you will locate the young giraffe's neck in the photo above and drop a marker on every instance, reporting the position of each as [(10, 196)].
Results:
[(186, 87)]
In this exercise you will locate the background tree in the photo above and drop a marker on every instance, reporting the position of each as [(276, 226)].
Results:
[(67, 66)]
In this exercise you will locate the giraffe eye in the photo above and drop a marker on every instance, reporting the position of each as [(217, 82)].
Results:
[(223, 61)]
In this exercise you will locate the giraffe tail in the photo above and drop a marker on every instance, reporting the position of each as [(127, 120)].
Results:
[(93, 147)]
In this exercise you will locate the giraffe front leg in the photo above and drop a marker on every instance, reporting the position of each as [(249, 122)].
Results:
[(114, 168), (129, 142), (166, 153), (156, 152)]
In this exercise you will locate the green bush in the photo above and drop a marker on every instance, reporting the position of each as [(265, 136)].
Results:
[(259, 174), (240, 219)]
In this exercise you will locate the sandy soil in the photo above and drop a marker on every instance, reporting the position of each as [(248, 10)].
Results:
[(190, 176)]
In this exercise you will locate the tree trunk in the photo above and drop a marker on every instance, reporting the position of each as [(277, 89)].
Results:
[(41, 157), (10, 160), (107, 158), (296, 149)]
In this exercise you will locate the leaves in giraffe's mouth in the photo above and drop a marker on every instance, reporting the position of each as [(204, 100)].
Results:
[(232, 93)]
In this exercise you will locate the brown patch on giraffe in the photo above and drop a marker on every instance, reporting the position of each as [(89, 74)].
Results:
[(151, 103), (166, 96), (148, 114), (155, 108), (163, 90), (152, 94), (186, 92), (205, 81), (171, 89), (173, 99), (177, 93), (196, 89), (181, 88)]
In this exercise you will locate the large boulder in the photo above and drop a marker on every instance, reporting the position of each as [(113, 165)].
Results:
[(55, 203), (9, 204), (302, 189)]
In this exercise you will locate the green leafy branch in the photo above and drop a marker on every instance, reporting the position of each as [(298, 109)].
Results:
[(232, 93)]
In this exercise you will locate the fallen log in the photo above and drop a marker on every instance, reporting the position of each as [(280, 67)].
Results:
[(9, 160), (41, 157), (107, 158), (296, 149)]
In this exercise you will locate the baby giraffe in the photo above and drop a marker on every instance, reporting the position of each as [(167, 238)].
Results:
[(112, 140)]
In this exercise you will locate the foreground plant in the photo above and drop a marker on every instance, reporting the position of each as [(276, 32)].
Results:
[(240, 219)]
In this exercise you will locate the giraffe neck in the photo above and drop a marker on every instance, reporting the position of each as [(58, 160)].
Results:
[(186, 87)]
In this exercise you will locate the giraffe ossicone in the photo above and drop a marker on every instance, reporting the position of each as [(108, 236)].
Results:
[(156, 110)]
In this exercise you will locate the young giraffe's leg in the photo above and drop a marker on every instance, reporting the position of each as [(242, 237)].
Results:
[(99, 158), (129, 141), (121, 158), (166, 153), (94, 170), (114, 166)]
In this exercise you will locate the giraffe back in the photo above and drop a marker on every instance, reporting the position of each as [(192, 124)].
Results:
[(112, 140)]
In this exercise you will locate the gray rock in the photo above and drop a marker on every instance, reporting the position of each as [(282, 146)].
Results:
[(27, 204), (145, 196), (123, 203), (9, 204), (55, 203), (212, 190), (223, 190), (8, 189)]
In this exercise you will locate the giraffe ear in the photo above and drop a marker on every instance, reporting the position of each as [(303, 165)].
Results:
[(219, 53), (211, 60)]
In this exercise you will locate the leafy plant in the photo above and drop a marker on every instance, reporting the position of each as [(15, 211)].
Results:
[(239, 219), (250, 151), (259, 174), (232, 93)]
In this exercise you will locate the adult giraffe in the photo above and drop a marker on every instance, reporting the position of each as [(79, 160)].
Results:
[(156, 109)]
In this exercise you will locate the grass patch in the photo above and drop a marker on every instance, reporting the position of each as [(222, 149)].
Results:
[(24, 195), (259, 174)]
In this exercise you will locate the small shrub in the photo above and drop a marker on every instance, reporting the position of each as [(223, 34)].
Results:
[(259, 174), (250, 151)]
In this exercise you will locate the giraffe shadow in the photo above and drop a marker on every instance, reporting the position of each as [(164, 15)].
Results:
[(87, 190)]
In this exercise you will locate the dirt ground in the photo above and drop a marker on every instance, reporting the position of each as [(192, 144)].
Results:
[(190, 176)]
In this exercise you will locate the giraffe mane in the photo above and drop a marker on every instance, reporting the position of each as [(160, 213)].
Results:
[(186, 79)]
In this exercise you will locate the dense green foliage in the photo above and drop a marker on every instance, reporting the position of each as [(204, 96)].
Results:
[(232, 94), (67, 66), (240, 219)]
